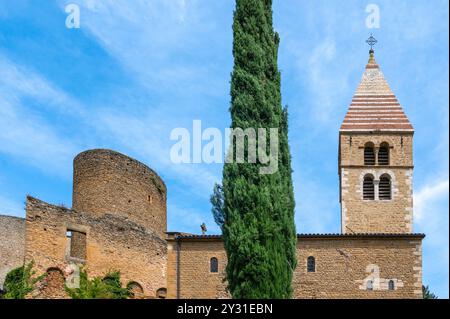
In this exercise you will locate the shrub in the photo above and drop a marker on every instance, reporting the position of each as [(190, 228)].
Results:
[(20, 281), (108, 287), (427, 294)]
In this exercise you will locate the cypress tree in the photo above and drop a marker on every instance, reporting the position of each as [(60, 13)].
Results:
[(254, 210)]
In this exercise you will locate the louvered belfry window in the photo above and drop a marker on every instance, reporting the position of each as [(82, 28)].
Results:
[(369, 154), (383, 154), (385, 187), (368, 188)]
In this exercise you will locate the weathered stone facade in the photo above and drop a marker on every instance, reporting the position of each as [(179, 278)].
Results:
[(118, 222), (179, 266), (105, 181), (376, 256), (375, 159), (188, 267), (343, 266), (382, 216), (12, 244), (112, 243)]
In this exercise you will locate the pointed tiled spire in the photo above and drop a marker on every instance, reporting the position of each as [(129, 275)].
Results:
[(374, 107)]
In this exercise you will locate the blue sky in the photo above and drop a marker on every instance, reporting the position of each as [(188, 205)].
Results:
[(135, 70)]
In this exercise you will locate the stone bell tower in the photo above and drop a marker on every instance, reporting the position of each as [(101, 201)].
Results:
[(375, 159)]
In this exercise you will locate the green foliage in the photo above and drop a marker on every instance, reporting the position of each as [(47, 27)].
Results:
[(217, 205), (20, 281), (257, 211), (427, 294), (107, 287)]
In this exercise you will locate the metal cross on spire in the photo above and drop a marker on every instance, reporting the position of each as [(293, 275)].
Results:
[(371, 41)]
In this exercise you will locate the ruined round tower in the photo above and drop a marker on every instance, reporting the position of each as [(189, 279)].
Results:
[(108, 182)]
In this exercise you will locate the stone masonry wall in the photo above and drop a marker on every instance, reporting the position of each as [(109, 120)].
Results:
[(106, 181), (343, 267), (376, 216), (12, 244), (112, 243), (196, 280), (352, 147)]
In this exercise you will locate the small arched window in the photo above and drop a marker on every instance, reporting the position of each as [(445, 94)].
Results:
[(161, 293), (136, 290), (54, 283), (391, 285), (383, 154), (214, 265), (369, 154), (368, 188), (385, 187), (311, 264), (369, 285)]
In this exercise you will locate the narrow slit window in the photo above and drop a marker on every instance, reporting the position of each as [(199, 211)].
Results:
[(69, 241), (391, 285), (368, 188), (311, 264), (370, 285), (76, 244), (214, 265), (385, 187)]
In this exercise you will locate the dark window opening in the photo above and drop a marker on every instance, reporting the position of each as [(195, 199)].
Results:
[(214, 265), (76, 244), (136, 290), (385, 187), (391, 285), (370, 285), (383, 154), (368, 188), (311, 264), (161, 293), (369, 154)]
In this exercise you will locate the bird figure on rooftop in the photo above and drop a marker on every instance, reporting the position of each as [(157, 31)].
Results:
[(203, 227)]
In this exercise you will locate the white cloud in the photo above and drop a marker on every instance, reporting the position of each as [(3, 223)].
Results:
[(156, 41), (317, 206), (33, 141), (25, 134), (11, 208), (149, 139), (325, 79), (18, 82), (321, 84), (36, 141), (426, 196), (432, 218)]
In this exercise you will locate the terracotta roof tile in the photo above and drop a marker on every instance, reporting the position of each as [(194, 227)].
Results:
[(374, 107), (329, 235)]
